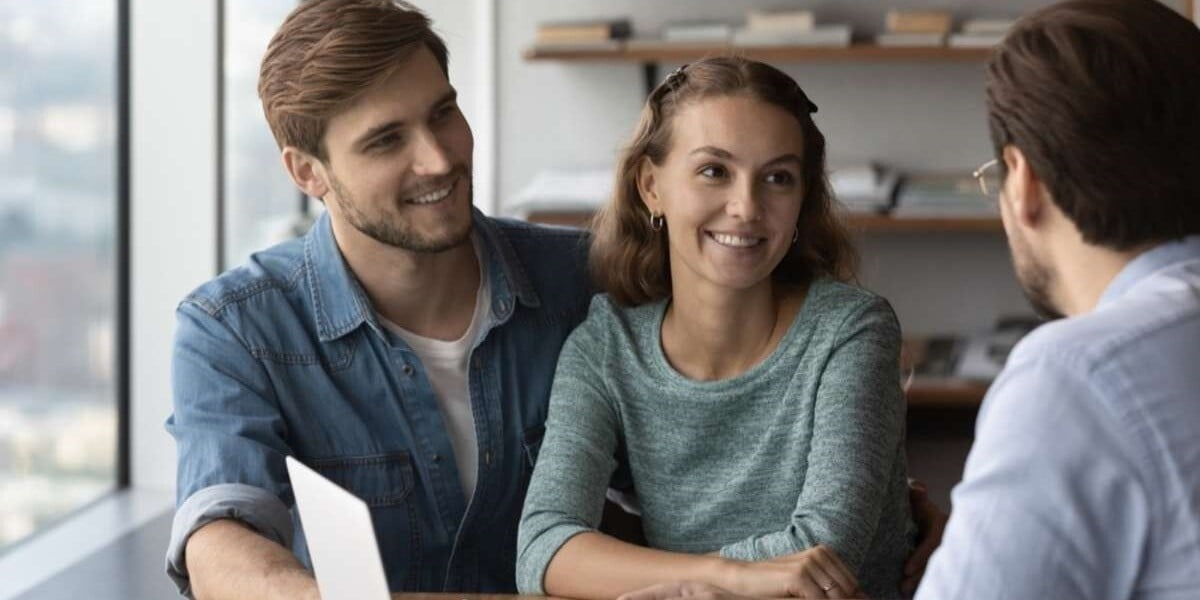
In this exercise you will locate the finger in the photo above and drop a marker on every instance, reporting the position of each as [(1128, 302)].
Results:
[(838, 571), (808, 585), (909, 585)]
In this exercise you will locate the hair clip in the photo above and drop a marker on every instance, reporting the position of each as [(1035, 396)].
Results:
[(677, 77)]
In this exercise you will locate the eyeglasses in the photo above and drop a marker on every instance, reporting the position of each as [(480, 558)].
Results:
[(988, 175)]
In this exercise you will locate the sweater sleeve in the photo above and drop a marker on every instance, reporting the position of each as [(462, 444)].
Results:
[(858, 425), (576, 460)]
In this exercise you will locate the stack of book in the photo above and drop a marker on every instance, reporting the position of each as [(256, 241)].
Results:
[(981, 33), (915, 28), (697, 32), (869, 189), (947, 196), (583, 35), (789, 27), (564, 191)]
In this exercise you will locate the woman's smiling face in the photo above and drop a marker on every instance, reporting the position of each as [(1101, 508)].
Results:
[(729, 190)]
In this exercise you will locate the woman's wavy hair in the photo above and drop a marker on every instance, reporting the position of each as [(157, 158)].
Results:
[(629, 260)]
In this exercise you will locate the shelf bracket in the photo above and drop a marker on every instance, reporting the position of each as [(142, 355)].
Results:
[(650, 76)]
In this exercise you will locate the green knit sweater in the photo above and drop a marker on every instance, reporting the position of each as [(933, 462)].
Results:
[(805, 448)]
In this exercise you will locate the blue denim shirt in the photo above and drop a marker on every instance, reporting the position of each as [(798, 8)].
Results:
[(284, 356)]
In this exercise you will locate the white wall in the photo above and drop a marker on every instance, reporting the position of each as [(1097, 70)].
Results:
[(468, 27), (916, 116), (174, 213)]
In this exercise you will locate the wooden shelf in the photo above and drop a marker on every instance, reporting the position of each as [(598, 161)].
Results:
[(669, 52), (950, 393), (856, 223)]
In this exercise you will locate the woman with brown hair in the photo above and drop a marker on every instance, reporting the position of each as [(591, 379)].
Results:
[(731, 367)]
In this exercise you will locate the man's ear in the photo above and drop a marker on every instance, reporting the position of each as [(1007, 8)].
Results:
[(306, 171), (1023, 190), (647, 184)]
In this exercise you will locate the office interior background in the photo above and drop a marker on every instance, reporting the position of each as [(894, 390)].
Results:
[(135, 164)]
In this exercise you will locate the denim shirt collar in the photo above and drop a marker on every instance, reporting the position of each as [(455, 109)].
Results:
[(1150, 262), (340, 305)]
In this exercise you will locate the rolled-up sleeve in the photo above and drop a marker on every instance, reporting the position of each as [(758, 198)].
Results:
[(230, 436)]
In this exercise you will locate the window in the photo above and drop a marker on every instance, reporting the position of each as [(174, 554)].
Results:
[(261, 205), (60, 325)]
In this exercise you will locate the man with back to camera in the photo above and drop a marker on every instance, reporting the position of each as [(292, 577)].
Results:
[(1084, 478), (404, 347)]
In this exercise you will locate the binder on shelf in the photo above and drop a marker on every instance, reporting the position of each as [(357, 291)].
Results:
[(836, 36)]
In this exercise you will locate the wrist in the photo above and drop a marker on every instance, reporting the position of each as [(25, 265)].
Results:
[(724, 572)]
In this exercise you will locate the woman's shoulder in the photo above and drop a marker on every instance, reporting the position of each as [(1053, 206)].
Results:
[(609, 321), (833, 298)]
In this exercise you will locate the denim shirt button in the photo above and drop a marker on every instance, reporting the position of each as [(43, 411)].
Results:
[(436, 458), (408, 370)]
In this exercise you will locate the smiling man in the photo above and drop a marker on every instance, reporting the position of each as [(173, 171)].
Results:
[(404, 347)]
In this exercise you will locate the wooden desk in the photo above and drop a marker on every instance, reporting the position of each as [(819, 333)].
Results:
[(468, 597)]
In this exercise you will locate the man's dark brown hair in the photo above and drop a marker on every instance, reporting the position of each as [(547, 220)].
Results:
[(326, 54), (1103, 98)]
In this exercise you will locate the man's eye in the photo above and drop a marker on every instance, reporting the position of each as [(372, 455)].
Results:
[(714, 172), (444, 112), (384, 142)]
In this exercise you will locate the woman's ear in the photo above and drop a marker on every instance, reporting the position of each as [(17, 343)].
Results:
[(647, 184)]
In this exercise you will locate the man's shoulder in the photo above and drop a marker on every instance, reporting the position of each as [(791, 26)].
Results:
[(278, 268), (554, 259), (533, 239), (1109, 335)]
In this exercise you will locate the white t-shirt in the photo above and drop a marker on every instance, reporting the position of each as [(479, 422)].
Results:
[(446, 365)]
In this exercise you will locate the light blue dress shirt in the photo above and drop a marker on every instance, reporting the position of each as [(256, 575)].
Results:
[(1084, 479)]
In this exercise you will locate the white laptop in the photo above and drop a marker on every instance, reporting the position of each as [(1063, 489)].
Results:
[(341, 538)]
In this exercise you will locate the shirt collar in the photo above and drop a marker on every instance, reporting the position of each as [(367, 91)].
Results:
[(1150, 262), (340, 305)]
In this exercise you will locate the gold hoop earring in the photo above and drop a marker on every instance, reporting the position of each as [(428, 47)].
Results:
[(657, 222)]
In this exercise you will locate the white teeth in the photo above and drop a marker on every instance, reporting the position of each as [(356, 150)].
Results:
[(735, 241), (432, 197)]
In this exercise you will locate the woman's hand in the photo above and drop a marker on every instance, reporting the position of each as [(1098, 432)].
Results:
[(813, 573)]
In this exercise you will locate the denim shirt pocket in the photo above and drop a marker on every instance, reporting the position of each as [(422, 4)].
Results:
[(385, 482)]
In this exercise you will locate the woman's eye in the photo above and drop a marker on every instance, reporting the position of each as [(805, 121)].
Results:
[(780, 178), (713, 171)]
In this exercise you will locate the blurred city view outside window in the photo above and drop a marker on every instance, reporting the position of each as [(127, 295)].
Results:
[(262, 206), (58, 236)]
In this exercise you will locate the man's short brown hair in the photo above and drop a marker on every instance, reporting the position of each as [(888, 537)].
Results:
[(326, 54), (1103, 98)]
